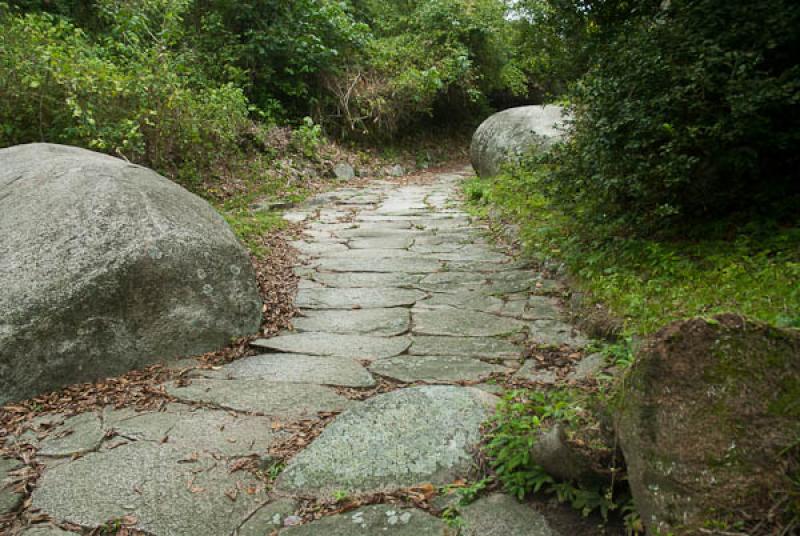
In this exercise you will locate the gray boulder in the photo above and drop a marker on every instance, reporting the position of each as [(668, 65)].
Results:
[(509, 134), (106, 266), (344, 171)]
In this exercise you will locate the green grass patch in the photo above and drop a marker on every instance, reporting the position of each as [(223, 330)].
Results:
[(646, 282)]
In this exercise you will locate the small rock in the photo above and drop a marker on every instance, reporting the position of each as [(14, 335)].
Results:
[(501, 515), (397, 171), (344, 171), (588, 367), (374, 520)]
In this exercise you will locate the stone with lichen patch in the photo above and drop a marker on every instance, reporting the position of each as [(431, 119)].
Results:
[(373, 520), (395, 440)]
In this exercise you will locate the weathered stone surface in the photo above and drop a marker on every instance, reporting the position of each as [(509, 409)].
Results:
[(463, 323), (260, 396), (468, 298), (480, 347), (561, 459), (709, 406), (502, 515), (332, 344), (387, 242), (216, 432), (411, 266), (556, 333), (139, 480), (506, 136), (398, 439), (374, 520), (68, 436), (9, 499), (542, 308), (588, 367), (529, 371), (122, 268), (376, 253), (380, 322), (318, 248), (268, 518), (295, 368), (46, 530), (366, 279), (344, 171), (432, 369), (349, 298)]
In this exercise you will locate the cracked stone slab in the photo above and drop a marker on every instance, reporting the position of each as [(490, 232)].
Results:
[(167, 489), (501, 515), (65, 436), (456, 322), (216, 432), (467, 298), (337, 345), (386, 242), (378, 253), (374, 520), (432, 369), (366, 279), (317, 248), (296, 368), (379, 322), (268, 518), (287, 400), (480, 347), (550, 332), (349, 298), (411, 266), (394, 440)]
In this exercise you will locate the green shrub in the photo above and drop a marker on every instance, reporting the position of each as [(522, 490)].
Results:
[(127, 95), (690, 113)]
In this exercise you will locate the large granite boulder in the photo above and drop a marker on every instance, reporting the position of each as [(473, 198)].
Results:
[(709, 423), (510, 134), (106, 266)]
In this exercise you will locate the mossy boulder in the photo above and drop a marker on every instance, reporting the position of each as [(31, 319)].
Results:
[(106, 266), (708, 412)]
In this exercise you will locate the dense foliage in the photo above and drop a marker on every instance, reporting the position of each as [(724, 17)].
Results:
[(184, 85), (689, 111)]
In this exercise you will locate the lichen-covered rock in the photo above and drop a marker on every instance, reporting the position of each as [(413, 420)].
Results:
[(509, 134), (709, 410), (106, 266)]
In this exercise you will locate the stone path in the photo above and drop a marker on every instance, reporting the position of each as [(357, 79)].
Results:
[(400, 290)]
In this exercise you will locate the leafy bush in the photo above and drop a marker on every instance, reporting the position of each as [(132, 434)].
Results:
[(126, 95), (690, 112)]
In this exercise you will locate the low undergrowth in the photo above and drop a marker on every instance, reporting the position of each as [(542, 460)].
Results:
[(751, 269)]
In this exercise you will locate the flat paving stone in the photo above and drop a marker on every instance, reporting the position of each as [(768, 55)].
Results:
[(480, 347), (169, 490), (386, 242), (394, 440), (292, 401), (373, 520), (216, 432), (468, 298), (337, 345), (366, 279), (437, 368), (463, 323), (377, 253), (317, 248), (501, 515), (556, 333), (295, 368), (379, 322), (411, 266), (542, 308), (65, 436), (364, 298)]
